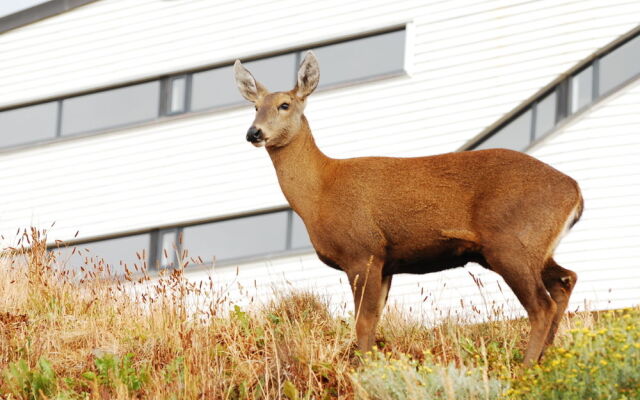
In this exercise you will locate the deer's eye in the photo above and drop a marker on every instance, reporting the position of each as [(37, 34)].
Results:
[(283, 106), (256, 107)]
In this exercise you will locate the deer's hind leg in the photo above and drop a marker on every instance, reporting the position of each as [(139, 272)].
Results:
[(521, 271), (560, 283)]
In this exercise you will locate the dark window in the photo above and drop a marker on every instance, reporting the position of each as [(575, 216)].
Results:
[(361, 59), (515, 135), (545, 114), (28, 124), (581, 89), (217, 87), (235, 238), (620, 65), (110, 254), (111, 108), (299, 235)]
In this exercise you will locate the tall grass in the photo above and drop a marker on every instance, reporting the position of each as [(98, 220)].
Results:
[(81, 336)]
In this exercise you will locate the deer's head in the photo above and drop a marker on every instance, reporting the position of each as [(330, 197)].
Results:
[(279, 115)]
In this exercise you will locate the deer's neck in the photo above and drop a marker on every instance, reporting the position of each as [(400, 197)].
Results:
[(300, 166)]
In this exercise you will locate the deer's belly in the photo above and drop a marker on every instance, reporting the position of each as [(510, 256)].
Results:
[(430, 259)]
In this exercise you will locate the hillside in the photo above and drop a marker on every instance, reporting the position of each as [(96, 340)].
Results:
[(65, 336)]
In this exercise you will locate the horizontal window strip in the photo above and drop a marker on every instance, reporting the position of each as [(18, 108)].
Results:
[(226, 241), (345, 62), (594, 79)]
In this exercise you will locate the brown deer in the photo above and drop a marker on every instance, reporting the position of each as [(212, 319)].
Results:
[(373, 217)]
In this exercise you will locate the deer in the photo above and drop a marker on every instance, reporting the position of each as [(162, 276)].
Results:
[(374, 217)]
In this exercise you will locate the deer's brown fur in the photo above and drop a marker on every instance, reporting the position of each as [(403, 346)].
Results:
[(374, 217)]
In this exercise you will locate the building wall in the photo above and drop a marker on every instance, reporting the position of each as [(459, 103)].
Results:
[(468, 63), (600, 150)]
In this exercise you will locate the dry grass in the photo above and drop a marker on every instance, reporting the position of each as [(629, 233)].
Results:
[(142, 339)]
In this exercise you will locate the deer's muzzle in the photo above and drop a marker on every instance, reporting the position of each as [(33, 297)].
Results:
[(254, 135)]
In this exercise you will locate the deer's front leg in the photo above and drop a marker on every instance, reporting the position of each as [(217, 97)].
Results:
[(370, 290)]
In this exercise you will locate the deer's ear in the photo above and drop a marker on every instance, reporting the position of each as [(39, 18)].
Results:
[(308, 76), (249, 88)]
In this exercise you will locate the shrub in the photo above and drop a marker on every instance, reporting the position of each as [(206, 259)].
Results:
[(401, 378), (601, 363), (112, 372), (38, 383)]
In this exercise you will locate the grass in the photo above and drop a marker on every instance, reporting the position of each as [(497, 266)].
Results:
[(65, 336)]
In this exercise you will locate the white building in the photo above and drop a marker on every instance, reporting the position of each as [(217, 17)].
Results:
[(121, 123)]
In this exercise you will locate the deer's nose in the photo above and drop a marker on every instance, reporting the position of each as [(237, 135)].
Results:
[(254, 134)]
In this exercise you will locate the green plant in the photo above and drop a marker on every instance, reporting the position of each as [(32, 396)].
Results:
[(601, 363), (112, 371), (382, 377), (290, 390), (174, 371), (26, 383)]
